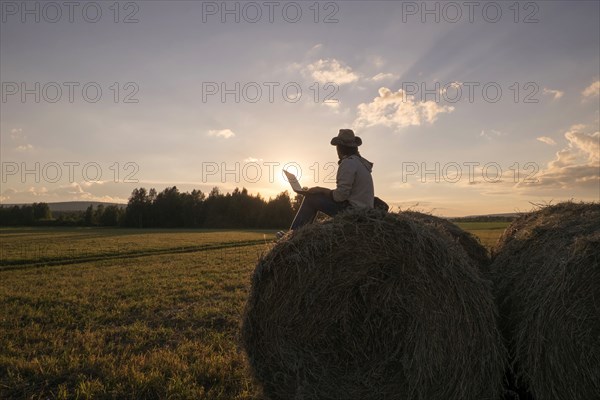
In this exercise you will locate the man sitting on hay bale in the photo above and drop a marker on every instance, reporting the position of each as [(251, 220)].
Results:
[(354, 184)]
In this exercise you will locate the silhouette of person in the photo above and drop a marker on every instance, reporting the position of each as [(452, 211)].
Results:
[(354, 184)]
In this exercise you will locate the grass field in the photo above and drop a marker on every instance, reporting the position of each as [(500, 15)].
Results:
[(487, 232), (120, 314)]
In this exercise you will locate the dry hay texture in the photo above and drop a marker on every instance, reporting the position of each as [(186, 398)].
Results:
[(371, 305), (470, 244), (546, 271)]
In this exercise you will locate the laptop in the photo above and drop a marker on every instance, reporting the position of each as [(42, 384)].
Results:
[(294, 183)]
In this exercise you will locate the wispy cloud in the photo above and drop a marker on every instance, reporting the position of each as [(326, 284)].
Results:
[(24, 147), (331, 70), (398, 110), (454, 85), (591, 91), (577, 165), (381, 76), (73, 191), (378, 61), (333, 105), (18, 137), (224, 133), (556, 94), (547, 140), (490, 133), (16, 133), (317, 47)]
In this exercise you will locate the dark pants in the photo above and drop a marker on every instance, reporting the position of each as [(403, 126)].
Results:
[(311, 204)]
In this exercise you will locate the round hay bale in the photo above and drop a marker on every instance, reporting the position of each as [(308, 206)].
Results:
[(546, 272), (370, 305), (470, 243)]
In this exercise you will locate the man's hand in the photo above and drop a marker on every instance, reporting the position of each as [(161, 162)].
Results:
[(318, 190)]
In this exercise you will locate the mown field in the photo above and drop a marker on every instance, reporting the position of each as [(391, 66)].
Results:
[(123, 314), (487, 232)]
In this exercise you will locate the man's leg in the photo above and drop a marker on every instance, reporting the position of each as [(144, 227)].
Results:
[(311, 204)]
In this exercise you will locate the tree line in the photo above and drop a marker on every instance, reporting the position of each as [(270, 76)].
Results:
[(168, 209), (25, 214), (239, 209)]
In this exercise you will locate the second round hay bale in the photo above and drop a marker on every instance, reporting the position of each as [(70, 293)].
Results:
[(547, 274), (372, 306)]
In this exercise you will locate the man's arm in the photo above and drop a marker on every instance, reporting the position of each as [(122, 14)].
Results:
[(345, 180)]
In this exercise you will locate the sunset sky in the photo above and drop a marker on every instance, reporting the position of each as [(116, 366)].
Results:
[(162, 118)]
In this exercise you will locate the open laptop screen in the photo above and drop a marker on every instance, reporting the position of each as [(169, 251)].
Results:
[(293, 182)]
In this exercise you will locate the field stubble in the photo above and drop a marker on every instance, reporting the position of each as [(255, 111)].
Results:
[(147, 325)]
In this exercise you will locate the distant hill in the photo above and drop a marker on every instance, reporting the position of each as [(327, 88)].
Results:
[(487, 217), (504, 215), (70, 205)]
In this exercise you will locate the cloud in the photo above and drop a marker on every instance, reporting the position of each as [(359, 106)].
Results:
[(317, 47), (378, 61), (547, 140), (24, 147), (591, 91), (18, 137), (70, 192), (381, 76), (331, 70), (6, 195), (16, 134), (294, 67), (491, 133), (398, 110), (252, 159), (401, 185), (224, 133), (334, 105), (588, 144), (577, 165), (456, 85), (557, 94)]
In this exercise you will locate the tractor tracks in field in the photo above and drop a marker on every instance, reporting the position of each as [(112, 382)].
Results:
[(7, 265)]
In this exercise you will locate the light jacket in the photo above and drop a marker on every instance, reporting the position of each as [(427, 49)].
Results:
[(354, 182)]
